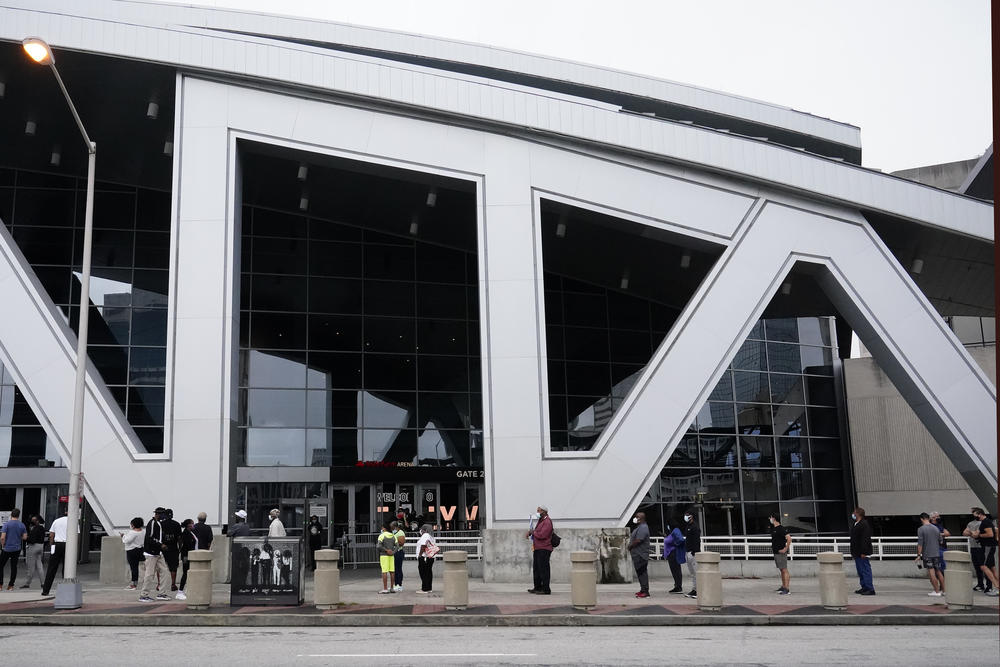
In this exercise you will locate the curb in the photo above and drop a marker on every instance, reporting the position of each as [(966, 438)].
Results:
[(447, 620)]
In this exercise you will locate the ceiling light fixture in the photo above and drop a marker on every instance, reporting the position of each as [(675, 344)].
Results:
[(304, 202), (786, 288), (30, 128), (152, 111), (303, 172), (917, 267), (414, 224), (624, 280), (168, 147), (56, 156), (3, 89), (432, 198), (685, 259)]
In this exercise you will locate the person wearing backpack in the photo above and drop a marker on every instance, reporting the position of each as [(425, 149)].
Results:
[(541, 544), (386, 546)]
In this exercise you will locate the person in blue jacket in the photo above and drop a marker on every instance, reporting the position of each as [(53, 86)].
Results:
[(673, 553)]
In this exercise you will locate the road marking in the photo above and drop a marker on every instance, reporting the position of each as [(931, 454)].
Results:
[(416, 655)]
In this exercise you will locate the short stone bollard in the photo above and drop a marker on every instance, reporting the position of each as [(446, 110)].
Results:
[(456, 580), (583, 579), (832, 582), (957, 577), (114, 567), (199, 580), (709, 578), (326, 584)]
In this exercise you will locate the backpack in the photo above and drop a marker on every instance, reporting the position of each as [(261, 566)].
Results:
[(387, 542)]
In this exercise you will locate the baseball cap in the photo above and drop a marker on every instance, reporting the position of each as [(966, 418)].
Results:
[(241, 514)]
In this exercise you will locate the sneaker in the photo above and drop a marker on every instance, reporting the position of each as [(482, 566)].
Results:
[(784, 591), (180, 596), (173, 587), (934, 594), (692, 594), (640, 594), (867, 592), (26, 586), (397, 589), (384, 591), (145, 598), (992, 593), (676, 590), (161, 596), (977, 587), (422, 592), (130, 587), (10, 587), (781, 588), (859, 591), (532, 590)]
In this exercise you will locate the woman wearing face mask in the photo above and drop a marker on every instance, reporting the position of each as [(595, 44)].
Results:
[(673, 553)]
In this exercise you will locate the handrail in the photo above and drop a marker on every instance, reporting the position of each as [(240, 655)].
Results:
[(747, 547)]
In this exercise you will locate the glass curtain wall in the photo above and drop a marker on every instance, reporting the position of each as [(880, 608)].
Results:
[(359, 320)]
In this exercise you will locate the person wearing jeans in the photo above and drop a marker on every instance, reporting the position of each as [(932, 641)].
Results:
[(12, 536), (400, 555), (861, 551), (692, 545)]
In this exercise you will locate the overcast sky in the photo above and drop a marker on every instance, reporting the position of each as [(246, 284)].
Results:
[(913, 74)]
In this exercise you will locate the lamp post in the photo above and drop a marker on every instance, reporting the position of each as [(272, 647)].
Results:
[(69, 593)]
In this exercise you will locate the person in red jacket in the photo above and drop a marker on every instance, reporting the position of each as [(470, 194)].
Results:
[(541, 539)]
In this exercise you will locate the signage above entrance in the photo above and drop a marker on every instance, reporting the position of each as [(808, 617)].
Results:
[(390, 471)]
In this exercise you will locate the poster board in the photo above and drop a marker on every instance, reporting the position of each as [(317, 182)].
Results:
[(267, 571)]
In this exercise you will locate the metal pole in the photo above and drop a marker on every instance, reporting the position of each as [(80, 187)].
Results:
[(69, 595)]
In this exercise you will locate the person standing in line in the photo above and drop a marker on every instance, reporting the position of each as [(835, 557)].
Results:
[(975, 551), (133, 540), (33, 553), (943, 536), (426, 550), (315, 532), (188, 543), (240, 527), (156, 566), (204, 532), (400, 555), (861, 550), (57, 549), (781, 543), (987, 536), (171, 546), (541, 540), (13, 534), (929, 553), (692, 545), (386, 545), (276, 529), (638, 545), (673, 553)]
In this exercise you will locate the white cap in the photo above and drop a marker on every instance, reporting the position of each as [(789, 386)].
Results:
[(241, 514)]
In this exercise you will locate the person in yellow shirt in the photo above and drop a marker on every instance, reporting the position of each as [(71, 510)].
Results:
[(386, 547)]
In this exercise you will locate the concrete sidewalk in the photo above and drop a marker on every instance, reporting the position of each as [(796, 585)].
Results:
[(746, 602)]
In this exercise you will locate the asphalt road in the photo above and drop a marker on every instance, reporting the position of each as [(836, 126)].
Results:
[(884, 646)]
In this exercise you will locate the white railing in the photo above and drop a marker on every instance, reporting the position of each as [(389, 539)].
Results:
[(360, 548), (746, 547)]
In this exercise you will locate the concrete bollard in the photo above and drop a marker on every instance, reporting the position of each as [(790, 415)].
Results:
[(199, 581), (222, 546), (958, 576), (326, 584), (456, 580), (114, 566), (583, 579), (832, 582), (709, 578)]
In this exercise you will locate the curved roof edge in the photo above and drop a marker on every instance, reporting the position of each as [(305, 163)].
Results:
[(721, 105)]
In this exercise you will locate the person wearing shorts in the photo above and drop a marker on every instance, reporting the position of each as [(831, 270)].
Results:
[(781, 542), (386, 557), (929, 553)]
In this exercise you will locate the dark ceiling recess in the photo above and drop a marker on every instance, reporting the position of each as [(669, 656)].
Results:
[(113, 98), (954, 272), (628, 102)]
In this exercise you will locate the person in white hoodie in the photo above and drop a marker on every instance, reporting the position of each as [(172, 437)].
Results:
[(133, 540), (277, 529)]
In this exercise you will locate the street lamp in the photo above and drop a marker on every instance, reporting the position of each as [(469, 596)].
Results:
[(69, 593)]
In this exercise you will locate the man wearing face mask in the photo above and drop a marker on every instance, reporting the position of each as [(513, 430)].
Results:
[(541, 537), (861, 549), (692, 544), (638, 544)]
